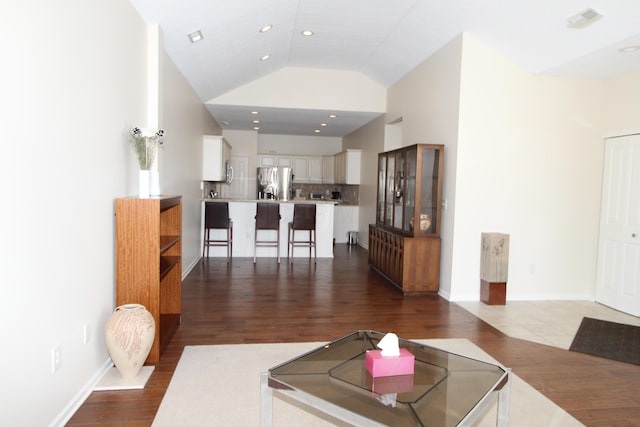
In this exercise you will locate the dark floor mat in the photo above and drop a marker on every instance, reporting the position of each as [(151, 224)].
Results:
[(610, 340)]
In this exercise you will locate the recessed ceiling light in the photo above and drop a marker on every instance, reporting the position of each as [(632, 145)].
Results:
[(307, 33), (332, 116), (317, 130), (628, 49), (266, 28), (583, 19), (256, 121), (265, 57), (256, 128), (323, 124), (254, 112), (195, 36)]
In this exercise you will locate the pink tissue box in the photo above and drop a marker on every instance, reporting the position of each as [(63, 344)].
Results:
[(386, 366)]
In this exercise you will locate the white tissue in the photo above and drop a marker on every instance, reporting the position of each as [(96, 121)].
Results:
[(389, 345), (389, 399)]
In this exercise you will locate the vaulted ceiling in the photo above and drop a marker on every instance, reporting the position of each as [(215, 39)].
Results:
[(382, 39)]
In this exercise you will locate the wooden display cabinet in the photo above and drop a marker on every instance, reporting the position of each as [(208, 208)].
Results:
[(149, 261), (404, 244)]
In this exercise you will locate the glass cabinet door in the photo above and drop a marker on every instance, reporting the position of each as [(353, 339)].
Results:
[(429, 191), (390, 187), (409, 189), (382, 178), (398, 191)]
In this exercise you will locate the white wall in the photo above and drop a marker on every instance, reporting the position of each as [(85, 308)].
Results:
[(528, 164), (370, 139), (73, 82), (321, 89), (185, 119), (523, 156), (299, 144), (427, 99), (621, 106)]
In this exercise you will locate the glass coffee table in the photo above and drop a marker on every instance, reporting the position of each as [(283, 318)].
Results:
[(446, 389)]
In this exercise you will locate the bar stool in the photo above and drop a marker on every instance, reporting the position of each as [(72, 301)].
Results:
[(216, 216), (267, 218), (304, 219)]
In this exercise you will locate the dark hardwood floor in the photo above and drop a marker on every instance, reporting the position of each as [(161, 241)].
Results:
[(246, 303)]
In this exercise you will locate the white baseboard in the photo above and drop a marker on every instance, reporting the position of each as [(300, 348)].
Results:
[(190, 267), (65, 415), (532, 297)]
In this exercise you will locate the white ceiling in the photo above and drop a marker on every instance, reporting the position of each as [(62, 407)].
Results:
[(383, 39)]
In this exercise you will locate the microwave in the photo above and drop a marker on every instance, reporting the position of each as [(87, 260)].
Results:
[(315, 196)]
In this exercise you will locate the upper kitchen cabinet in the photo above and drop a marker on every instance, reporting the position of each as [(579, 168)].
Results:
[(267, 160), (347, 167), (216, 154), (328, 166), (300, 169), (307, 169), (315, 169)]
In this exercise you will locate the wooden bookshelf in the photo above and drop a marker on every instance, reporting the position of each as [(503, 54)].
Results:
[(149, 263)]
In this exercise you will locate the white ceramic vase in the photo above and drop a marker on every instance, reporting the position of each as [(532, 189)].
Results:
[(143, 184), (129, 334), (154, 183)]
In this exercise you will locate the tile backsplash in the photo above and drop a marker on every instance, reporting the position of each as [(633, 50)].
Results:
[(350, 194)]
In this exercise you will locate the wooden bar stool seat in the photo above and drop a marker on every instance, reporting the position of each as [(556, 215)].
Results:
[(267, 218), (304, 219), (216, 217)]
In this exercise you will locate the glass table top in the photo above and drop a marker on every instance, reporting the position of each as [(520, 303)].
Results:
[(444, 388)]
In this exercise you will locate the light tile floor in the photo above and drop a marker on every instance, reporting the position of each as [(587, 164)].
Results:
[(552, 323)]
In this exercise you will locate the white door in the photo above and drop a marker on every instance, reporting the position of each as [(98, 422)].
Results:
[(239, 187), (618, 270)]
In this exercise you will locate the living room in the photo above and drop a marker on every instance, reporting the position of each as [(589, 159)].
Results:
[(524, 155)]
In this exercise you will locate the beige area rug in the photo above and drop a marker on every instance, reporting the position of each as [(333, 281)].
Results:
[(219, 385)]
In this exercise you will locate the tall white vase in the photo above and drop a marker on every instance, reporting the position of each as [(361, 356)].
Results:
[(129, 334), (154, 183), (143, 184)]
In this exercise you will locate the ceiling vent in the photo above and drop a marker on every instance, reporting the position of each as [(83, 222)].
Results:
[(583, 19)]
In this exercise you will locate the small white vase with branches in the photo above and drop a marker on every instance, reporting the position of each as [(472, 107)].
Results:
[(145, 144)]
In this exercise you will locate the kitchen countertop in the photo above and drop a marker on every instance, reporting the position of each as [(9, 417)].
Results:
[(317, 201)]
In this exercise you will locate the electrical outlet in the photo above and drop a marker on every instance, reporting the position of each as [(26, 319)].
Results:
[(56, 358), (86, 334)]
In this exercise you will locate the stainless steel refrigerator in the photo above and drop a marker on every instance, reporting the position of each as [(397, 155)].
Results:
[(274, 182)]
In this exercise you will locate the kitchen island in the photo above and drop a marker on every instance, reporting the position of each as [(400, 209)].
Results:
[(243, 212)]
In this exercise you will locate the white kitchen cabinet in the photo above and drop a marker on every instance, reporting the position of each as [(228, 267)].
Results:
[(265, 160), (328, 166), (284, 161), (315, 169), (347, 167), (216, 153), (306, 169), (345, 219), (300, 169), (339, 168)]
